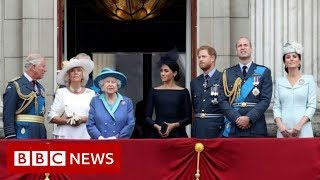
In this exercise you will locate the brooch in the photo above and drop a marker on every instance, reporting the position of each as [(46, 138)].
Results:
[(301, 82), (23, 130)]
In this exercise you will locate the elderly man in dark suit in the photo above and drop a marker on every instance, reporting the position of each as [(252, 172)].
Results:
[(209, 121), (24, 102), (245, 94)]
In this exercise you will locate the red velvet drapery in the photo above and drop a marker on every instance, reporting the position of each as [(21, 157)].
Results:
[(224, 159)]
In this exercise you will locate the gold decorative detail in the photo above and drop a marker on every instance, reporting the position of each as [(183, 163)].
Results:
[(131, 10), (47, 176), (27, 99), (235, 92), (199, 147)]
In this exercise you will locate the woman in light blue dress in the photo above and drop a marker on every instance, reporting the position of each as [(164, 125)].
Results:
[(295, 97)]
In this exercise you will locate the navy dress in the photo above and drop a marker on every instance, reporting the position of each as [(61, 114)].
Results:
[(169, 106)]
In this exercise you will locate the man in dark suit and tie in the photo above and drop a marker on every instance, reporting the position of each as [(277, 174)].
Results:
[(245, 94), (208, 121)]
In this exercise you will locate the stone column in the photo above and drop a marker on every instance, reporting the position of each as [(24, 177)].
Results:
[(272, 24), (214, 29), (37, 35)]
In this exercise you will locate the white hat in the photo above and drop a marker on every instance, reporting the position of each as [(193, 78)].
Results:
[(292, 47), (87, 65)]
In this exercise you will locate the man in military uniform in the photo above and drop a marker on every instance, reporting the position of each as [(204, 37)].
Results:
[(209, 121), (245, 94), (24, 102)]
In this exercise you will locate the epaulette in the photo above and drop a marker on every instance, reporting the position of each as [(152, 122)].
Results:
[(14, 79)]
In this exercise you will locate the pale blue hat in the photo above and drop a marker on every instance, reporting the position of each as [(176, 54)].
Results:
[(292, 47), (107, 72)]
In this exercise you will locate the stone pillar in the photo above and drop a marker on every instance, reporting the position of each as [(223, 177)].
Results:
[(37, 35), (214, 29), (272, 24)]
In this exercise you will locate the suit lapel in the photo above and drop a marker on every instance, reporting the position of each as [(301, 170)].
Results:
[(215, 78), (251, 70), (238, 71), (200, 80)]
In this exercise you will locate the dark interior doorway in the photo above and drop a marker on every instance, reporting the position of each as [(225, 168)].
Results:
[(88, 30)]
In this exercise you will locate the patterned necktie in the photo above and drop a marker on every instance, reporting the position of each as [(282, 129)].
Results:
[(244, 72), (206, 80), (206, 77)]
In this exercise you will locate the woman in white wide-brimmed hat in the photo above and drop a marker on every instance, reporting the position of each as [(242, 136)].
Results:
[(295, 96), (111, 114), (70, 108)]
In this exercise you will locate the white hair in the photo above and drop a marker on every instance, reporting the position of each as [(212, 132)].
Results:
[(33, 59), (102, 81)]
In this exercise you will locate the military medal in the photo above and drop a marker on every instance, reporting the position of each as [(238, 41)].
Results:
[(256, 79), (204, 84), (42, 92), (255, 91), (214, 101), (214, 90)]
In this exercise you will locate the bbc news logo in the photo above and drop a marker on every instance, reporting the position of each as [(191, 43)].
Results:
[(39, 158), (58, 157)]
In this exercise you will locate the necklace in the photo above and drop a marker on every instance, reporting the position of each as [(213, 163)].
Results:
[(75, 90)]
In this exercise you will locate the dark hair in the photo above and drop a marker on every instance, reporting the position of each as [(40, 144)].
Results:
[(170, 59), (174, 66), (284, 59)]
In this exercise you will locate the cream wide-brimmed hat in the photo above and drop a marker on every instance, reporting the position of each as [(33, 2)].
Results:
[(87, 65), (292, 47)]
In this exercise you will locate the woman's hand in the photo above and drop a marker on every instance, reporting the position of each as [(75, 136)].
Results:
[(158, 128), (296, 130), (170, 127), (283, 130)]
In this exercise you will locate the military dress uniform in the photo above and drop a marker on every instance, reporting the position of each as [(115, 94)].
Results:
[(245, 96), (209, 121), (24, 109)]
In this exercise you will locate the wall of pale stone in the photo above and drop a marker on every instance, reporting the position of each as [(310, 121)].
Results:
[(26, 26)]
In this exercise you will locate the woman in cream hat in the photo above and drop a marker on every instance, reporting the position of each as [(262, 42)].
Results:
[(70, 107), (111, 114), (295, 96)]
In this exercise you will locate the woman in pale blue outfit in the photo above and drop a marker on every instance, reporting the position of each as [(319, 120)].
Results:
[(295, 96), (111, 114)]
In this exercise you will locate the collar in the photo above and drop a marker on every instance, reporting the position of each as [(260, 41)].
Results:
[(27, 76), (112, 109), (248, 65), (211, 72)]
